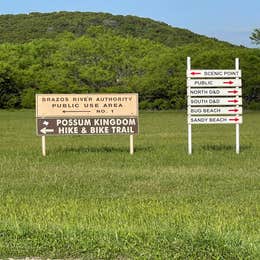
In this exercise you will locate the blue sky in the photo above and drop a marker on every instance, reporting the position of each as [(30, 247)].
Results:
[(228, 20)]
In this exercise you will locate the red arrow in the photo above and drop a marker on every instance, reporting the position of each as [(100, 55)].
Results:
[(233, 110), (234, 119), (233, 91), (229, 82), (195, 73), (233, 101)]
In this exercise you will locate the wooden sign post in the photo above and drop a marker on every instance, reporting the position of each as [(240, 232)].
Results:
[(87, 114), (217, 93)]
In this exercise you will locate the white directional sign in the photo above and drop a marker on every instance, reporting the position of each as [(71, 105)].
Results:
[(214, 101), (214, 119), (214, 110), (202, 92), (202, 83), (214, 73), (214, 97)]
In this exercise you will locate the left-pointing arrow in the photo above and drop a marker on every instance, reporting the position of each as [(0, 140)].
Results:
[(195, 73), (75, 111), (46, 131)]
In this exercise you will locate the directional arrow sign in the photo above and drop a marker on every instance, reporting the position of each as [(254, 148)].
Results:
[(202, 92), (88, 126), (214, 110), (46, 131), (215, 119), (205, 83), (214, 73), (76, 111), (214, 101)]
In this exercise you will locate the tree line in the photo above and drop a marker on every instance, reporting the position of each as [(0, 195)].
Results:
[(103, 60)]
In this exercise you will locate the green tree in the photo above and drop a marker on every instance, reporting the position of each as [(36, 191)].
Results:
[(255, 36), (9, 90), (28, 98)]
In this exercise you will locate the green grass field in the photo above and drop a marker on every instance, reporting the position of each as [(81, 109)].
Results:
[(90, 199)]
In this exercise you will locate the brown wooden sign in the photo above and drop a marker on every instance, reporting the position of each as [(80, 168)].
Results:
[(87, 126), (87, 114), (86, 105)]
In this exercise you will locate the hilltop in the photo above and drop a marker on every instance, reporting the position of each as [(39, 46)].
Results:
[(26, 27)]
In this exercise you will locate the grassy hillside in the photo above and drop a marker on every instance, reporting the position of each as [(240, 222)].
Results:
[(89, 198), (26, 27)]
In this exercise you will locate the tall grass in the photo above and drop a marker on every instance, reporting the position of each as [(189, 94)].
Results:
[(90, 199)]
